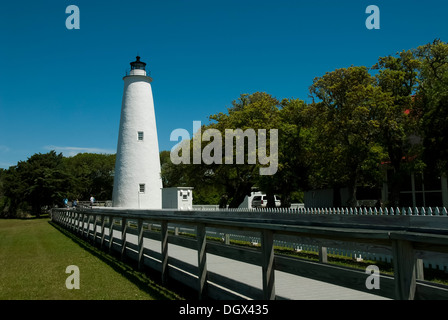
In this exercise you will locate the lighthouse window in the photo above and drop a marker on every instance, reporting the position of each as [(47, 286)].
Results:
[(142, 188), (140, 136)]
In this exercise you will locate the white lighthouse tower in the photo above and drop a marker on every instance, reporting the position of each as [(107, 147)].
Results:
[(137, 181)]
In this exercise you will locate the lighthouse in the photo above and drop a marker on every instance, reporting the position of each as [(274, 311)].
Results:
[(137, 180)]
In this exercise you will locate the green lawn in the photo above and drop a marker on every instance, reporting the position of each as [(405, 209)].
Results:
[(34, 255)]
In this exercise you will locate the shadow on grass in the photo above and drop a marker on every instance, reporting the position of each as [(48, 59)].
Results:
[(142, 279)]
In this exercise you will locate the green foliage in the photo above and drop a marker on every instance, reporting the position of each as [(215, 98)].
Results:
[(347, 127), (432, 103), (36, 183), (397, 76), (44, 180), (292, 173), (224, 183), (362, 122), (93, 175)]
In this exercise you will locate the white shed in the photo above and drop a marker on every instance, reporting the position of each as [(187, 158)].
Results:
[(180, 198)]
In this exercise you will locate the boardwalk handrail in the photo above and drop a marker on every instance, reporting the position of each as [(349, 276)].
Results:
[(416, 211), (406, 236)]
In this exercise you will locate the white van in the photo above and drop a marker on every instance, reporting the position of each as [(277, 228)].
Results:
[(261, 201)]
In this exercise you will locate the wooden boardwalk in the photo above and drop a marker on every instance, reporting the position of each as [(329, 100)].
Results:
[(288, 286), (407, 238)]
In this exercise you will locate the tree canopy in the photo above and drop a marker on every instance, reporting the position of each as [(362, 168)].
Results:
[(44, 180), (361, 121)]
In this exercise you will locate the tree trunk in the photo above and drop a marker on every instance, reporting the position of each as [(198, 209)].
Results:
[(271, 199), (394, 199), (223, 201), (352, 201), (337, 202), (240, 193), (395, 185), (286, 200)]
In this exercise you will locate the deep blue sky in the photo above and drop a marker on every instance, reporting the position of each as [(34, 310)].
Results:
[(61, 89)]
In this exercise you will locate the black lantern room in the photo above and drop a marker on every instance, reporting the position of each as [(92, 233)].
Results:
[(138, 64)]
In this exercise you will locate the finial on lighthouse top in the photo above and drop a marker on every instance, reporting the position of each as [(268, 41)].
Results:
[(138, 67)]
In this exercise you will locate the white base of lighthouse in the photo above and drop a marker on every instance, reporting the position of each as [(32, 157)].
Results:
[(137, 180)]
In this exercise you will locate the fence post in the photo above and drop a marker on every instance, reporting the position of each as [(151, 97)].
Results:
[(75, 221), (124, 225), (111, 230), (140, 244), (404, 269), (202, 261), (81, 224), (70, 220), (164, 244), (227, 238), (420, 269), (323, 258), (95, 218), (78, 215), (89, 216), (103, 228), (267, 252)]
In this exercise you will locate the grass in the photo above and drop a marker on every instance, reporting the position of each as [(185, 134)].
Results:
[(34, 255)]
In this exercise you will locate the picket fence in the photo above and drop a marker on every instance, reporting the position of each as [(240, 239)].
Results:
[(437, 262), (416, 211)]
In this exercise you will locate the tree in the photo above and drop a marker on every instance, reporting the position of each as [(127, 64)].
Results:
[(399, 125), (2, 174), (40, 182), (13, 192), (257, 111), (188, 175), (292, 173), (432, 103), (44, 180), (3, 198), (232, 180), (93, 175), (346, 128)]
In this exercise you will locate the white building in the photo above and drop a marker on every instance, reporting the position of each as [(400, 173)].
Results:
[(137, 181), (178, 198)]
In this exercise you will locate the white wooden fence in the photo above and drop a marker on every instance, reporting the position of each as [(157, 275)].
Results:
[(407, 237), (404, 211)]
